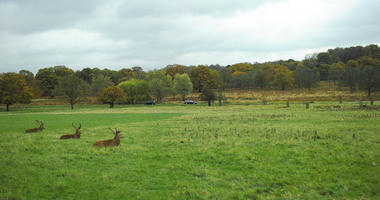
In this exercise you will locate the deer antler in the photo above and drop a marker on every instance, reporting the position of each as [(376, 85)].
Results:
[(112, 131), (73, 125), (80, 125)]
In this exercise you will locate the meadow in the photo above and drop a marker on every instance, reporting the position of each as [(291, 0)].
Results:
[(173, 151)]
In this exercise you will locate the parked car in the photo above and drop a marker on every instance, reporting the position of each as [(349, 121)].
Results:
[(189, 102), (151, 102)]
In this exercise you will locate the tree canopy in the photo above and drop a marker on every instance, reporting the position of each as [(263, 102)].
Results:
[(13, 89)]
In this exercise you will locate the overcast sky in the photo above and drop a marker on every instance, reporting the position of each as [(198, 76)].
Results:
[(154, 33)]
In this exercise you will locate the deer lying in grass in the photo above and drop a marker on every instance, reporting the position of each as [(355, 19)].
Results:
[(33, 130), (76, 135), (110, 143)]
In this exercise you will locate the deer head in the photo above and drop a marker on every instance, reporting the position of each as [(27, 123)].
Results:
[(32, 130), (77, 130), (117, 134)]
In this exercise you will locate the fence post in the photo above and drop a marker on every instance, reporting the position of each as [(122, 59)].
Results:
[(307, 105), (287, 104), (340, 99)]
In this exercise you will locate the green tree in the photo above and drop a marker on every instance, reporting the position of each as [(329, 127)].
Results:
[(369, 77), (126, 74), (336, 72), (86, 74), (112, 95), (99, 83), (225, 76), (160, 84), (350, 75), (13, 89), (208, 94), (304, 77), (47, 81), (31, 82), (72, 87), (139, 72), (62, 71), (135, 90), (183, 85), (261, 79)]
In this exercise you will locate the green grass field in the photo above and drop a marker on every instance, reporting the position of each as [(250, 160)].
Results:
[(193, 152)]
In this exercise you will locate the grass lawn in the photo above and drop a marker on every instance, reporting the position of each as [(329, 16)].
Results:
[(193, 152)]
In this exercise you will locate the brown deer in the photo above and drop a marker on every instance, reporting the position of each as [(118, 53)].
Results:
[(33, 130), (76, 135), (110, 143)]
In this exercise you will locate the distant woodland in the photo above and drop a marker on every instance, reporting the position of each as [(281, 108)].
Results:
[(357, 68)]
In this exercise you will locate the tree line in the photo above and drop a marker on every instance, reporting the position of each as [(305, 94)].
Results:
[(355, 67)]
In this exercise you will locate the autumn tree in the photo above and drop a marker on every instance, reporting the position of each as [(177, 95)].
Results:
[(183, 85), (13, 89), (173, 70), (241, 67), (112, 95), (72, 88), (280, 76), (202, 75)]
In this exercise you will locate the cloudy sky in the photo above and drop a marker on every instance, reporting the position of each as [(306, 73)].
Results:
[(154, 33)]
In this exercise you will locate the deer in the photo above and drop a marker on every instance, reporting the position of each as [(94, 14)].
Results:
[(33, 130), (110, 143), (76, 135)]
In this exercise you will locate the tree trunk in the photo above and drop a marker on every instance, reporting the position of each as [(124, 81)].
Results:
[(111, 104), (72, 106), (283, 87), (7, 107), (209, 102), (369, 92)]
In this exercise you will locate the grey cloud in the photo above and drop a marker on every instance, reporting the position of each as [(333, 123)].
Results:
[(152, 34)]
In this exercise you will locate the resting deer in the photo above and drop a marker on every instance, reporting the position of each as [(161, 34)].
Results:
[(32, 130), (110, 143), (76, 135)]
